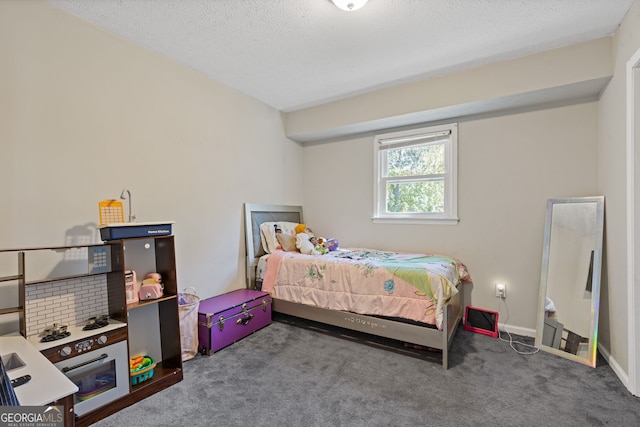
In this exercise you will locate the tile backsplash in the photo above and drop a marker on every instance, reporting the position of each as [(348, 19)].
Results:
[(65, 302)]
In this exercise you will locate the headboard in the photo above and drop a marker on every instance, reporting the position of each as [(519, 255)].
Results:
[(254, 215)]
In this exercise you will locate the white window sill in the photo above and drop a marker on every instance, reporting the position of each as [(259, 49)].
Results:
[(405, 220)]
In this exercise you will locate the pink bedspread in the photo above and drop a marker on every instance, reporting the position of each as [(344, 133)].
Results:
[(410, 286)]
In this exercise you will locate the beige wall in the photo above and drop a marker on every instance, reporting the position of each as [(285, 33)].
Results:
[(612, 175), (84, 114), (508, 167)]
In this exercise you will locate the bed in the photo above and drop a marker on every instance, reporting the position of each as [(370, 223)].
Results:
[(421, 311)]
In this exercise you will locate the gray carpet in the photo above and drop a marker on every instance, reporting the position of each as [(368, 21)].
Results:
[(284, 375)]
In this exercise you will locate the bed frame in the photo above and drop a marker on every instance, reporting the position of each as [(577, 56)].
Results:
[(256, 214)]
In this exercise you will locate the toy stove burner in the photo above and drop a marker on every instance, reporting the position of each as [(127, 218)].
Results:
[(96, 323), (55, 333)]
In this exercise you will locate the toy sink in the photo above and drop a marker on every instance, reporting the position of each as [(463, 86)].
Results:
[(128, 230), (12, 361)]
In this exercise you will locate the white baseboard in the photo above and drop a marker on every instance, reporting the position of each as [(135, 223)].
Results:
[(620, 373), (527, 332)]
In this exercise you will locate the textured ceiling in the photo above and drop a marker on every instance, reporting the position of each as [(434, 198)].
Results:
[(293, 54)]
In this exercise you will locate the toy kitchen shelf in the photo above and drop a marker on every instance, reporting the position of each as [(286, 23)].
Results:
[(152, 326), (18, 309)]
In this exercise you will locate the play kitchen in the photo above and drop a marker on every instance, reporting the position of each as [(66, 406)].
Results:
[(91, 336)]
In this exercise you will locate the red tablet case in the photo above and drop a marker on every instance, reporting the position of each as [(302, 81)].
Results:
[(481, 321)]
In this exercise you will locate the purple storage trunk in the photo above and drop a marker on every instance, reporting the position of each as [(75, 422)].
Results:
[(227, 318)]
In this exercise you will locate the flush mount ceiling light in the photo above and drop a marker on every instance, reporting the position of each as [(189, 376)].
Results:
[(349, 5)]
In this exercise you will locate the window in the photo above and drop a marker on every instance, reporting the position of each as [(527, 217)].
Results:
[(415, 175)]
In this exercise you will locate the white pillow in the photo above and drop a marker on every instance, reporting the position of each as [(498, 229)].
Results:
[(268, 233)]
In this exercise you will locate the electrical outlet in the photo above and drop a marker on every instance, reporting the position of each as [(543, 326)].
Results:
[(501, 290)]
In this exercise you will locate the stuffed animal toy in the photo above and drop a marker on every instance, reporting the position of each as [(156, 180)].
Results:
[(318, 244), (326, 245), (308, 244), (304, 245), (332, 244), (302, 228)]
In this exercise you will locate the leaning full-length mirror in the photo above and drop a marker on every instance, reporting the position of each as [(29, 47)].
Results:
[(570, 279)]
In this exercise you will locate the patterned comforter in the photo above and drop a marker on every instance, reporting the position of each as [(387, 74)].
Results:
[(410, 286)]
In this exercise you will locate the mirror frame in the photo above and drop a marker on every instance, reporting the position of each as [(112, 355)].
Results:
[(595, 279)]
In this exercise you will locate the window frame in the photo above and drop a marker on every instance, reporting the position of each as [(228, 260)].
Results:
[(404, 138)]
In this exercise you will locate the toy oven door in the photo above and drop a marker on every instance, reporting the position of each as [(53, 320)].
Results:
[(102, 376)]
